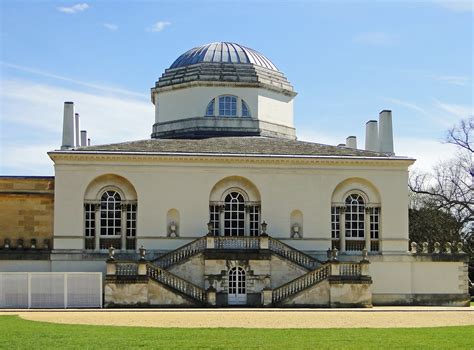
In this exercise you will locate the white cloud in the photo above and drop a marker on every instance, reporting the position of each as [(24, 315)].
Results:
[(111, 26), (407, 104), (452, 79), (32, 114), (104, 88), (159, 26), (455, 110), (457, 6), (375, 39), (74, 8), (427, 152)]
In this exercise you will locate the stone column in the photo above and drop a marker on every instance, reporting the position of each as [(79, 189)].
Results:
[(123, 231), (367, 228), (342, 228), (97, 227), (247, 220), (221, 220)]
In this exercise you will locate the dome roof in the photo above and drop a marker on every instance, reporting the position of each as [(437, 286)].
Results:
[(223, 52)]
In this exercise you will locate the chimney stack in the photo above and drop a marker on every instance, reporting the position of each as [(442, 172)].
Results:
[(68, 126), (83, 138), (76, 129), (88, 142), (351, 142), (371, 136), (385, 132)]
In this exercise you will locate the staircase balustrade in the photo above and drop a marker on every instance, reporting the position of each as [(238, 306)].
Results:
[(177, 283), (182, 253), (127, 269), (349, 269), (297, 285), (292, 254), (237, 242)]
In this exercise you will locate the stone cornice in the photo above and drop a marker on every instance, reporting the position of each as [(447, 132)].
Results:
[(220, 84), (74, 157)]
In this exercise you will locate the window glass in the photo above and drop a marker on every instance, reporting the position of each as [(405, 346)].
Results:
[(245, 110), (210, 108), (228, 106)]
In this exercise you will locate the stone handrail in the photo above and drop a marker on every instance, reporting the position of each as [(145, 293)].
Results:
[(236, 242), (300, 283), (127, 269), (350, 269), (182, 253), (167, 278), (292, 254)]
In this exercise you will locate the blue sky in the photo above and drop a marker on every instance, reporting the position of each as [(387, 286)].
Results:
[(346, 59)]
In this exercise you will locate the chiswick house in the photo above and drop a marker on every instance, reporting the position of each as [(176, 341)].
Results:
[(223, 206)]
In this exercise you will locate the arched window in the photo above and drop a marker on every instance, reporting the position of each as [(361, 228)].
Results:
[(110, 214), (245, 110), (228, 106), (234, 215), (355, 216), (237, 286), (210, 108), (116, 222)]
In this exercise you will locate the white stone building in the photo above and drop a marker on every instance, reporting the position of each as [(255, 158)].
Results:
[(233, 209)]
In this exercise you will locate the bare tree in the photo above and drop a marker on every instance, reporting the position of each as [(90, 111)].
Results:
[(450, 186)]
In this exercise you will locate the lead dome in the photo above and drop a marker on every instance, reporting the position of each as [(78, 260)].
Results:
[(223, 52), (223, 89)]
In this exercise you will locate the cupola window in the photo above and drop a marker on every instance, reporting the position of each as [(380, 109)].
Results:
[(228, 106), (210, 108), (245, 110)]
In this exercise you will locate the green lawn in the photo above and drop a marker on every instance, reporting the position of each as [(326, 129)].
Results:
[(16, 333)]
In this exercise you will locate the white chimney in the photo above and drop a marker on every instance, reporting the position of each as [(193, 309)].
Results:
[(351, 142), (385, 132), (88, 142), (76, 129), (68, 126), (83, 138), (372, 136)]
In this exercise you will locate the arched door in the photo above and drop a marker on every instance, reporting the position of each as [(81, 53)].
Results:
[(237, 286)]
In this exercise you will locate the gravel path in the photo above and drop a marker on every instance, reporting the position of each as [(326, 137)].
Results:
[(260, 318)]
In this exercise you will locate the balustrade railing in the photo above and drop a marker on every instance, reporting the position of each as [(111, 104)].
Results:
[(292, 254), (349, 269), (353, 245), (127, 269), (106, 243), (300, 283), (181, 253), (374, 245), (179, 284), (236, 242), (89, 243)]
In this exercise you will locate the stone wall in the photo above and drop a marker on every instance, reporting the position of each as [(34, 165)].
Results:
[(27, 210)]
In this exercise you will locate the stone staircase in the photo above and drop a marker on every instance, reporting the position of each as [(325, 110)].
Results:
[(199, 245), (181, 254), (181, 285), (287, 294), (294, 255)]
